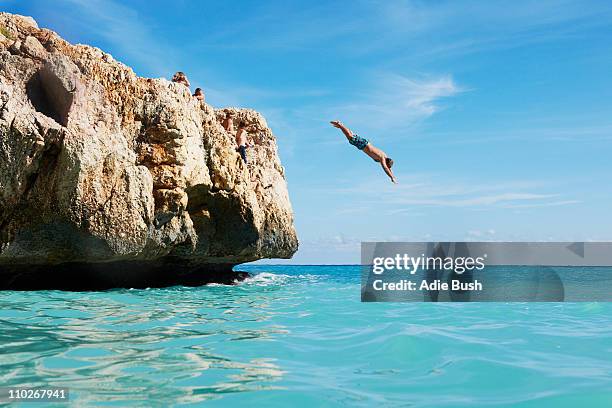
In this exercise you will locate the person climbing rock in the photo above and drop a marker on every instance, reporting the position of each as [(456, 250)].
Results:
[(199, 94), (228, 121), (241, 140), (368, 148), (181, 78)]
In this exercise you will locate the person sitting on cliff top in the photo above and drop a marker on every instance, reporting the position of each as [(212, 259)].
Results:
[(181, 78), (241, 139), (364, 145), (199, 94)]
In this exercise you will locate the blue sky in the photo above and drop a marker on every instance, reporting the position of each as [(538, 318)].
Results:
[(498, 114)]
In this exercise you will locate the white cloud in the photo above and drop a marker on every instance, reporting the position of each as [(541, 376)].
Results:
[(414, 97), (395, 101), (431, 191), (545, 204), (479, 200), (474, 26)]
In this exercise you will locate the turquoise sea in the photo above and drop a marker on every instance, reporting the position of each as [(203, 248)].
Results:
[(299, 336)]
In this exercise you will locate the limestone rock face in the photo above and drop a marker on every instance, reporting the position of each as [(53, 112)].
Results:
[(99, 165)]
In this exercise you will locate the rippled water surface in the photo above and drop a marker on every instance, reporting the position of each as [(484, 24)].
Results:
[(299, 336)]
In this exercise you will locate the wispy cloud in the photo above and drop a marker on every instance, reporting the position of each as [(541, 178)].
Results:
[(122, 26), (449, 29), (476, 201), (480, 234), (570, 133), (399, 100), (545, 204), (387, 103), (427, 191), (421, 28)]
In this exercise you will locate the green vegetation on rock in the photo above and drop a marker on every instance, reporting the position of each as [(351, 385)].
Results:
[(6, 33)]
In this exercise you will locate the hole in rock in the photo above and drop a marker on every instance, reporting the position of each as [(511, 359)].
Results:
[(38, 97)]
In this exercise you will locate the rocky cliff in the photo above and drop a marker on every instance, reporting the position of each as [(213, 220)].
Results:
[(102, 169)]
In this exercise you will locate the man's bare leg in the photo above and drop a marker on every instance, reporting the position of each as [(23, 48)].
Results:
[(347, 132)]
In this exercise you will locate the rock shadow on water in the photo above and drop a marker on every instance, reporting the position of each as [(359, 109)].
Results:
[(74, 276)]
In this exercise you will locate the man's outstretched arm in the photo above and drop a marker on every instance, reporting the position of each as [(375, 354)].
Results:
[(347, 132), (387, 170)]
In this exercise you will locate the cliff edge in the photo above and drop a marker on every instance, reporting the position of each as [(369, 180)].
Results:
[(102, 169)]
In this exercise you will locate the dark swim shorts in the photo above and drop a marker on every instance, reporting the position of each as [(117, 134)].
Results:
[(359, 142), (242, 150)]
